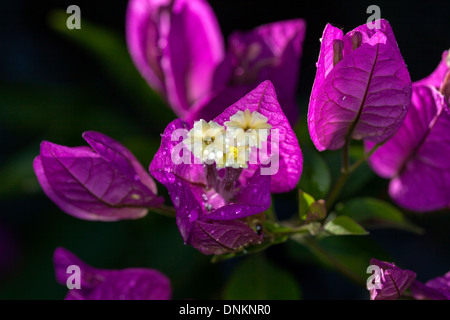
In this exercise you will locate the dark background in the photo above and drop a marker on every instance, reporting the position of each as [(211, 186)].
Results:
[(53, 89)]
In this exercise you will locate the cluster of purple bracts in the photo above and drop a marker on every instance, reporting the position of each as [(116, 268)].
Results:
[(362, 91)]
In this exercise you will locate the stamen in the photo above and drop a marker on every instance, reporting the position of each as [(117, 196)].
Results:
[(338, 48)]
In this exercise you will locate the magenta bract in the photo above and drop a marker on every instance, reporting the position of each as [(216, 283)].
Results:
[(393, 281), (212, 213), (434, 289), (362, 87), (105, 182), (101, 284), (178, 48), (416, 157)]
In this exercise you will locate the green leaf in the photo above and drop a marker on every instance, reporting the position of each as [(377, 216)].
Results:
[(304, 204), (343, 225), (255, 278), (372, 212), (316, 178)]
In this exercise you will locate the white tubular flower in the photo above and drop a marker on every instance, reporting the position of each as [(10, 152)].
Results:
[(237, 156), (251, 128), (206, 141)]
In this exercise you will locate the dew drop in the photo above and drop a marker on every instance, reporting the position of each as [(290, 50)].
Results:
[(193, 215), (204, 197), (238, 210), (171, 178), (176, 201)]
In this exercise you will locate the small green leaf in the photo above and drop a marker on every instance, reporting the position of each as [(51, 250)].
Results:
[(304, 204), (255, 278), (343, 225), (372, 212)]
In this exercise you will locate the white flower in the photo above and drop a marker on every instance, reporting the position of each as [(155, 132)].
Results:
[(206, 140), (250, 128)]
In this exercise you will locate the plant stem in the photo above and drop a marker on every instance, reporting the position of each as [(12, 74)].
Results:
[(346, 170), (164, 210)]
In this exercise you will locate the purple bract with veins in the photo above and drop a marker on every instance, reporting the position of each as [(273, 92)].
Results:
[(362, 88), (217, 208), (101, 284), (392, 280), (178, 48), (416, 157), (104, 182)]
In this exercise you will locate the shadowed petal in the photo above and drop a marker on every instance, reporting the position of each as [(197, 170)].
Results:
[(416, 157), (219, 237), (393, 280), (100, 284)]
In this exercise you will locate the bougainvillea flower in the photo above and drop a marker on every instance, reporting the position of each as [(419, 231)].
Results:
[(178, 48), (218, 207), (362, 88), (434, 289), (101, 284), (104, 182), (416, 157), (392, 280)]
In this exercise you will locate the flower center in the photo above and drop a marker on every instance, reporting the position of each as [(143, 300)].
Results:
[(233, 154)]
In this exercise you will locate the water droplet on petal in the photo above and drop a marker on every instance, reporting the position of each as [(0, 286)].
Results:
[(238, 210), (193, 215), (204, 197), (176, 201)]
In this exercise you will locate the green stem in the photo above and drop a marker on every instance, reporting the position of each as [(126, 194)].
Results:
[(164, 210), (336, 190), (325, 256), (347, 170)]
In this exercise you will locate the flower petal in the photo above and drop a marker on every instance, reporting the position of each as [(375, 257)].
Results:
[(436, 78), (144, 28), (366, 94), (270, 52), (263, 99), (113, 151), (87, 186), (393, 280), (219, 237), (416, 157), (194, 49), (99, 284)]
